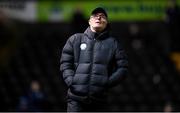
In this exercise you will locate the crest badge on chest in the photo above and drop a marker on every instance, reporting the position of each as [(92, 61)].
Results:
[(83, 46)]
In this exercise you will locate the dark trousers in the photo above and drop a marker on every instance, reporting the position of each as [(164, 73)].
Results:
[(90, 106)]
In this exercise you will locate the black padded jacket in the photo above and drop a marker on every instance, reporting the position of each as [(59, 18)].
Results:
[(91, 65)]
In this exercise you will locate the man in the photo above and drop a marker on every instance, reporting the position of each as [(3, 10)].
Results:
[(92, 62)]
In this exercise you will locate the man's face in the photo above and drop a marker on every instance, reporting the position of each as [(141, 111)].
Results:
[(98, 22)]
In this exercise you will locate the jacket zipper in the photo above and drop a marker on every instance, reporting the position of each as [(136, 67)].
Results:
[(92, 57)]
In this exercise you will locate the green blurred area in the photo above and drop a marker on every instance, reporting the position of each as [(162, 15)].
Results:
[(122, 10)]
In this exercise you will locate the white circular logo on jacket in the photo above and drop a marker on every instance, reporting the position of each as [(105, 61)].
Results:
[(83, 46)]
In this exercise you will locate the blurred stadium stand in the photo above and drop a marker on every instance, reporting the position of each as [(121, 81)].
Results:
[(153, 79)]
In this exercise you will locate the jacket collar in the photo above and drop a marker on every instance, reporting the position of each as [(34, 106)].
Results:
[(91, 34)]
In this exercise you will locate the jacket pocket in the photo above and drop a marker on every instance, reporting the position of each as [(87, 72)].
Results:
[(71, 95)]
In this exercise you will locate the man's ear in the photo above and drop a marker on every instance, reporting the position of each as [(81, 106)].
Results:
[(89, 21)]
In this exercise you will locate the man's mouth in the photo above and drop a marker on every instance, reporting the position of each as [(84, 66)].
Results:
[(98, 22)]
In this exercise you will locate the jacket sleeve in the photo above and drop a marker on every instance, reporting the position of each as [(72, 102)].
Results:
[(121, 65), (67, 61)]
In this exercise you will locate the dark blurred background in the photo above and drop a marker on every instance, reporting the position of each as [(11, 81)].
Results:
[(33, 33)]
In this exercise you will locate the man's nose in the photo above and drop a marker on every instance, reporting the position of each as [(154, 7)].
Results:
[(98, 17)]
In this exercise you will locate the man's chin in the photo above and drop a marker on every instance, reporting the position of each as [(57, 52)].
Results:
[(98, 27)]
